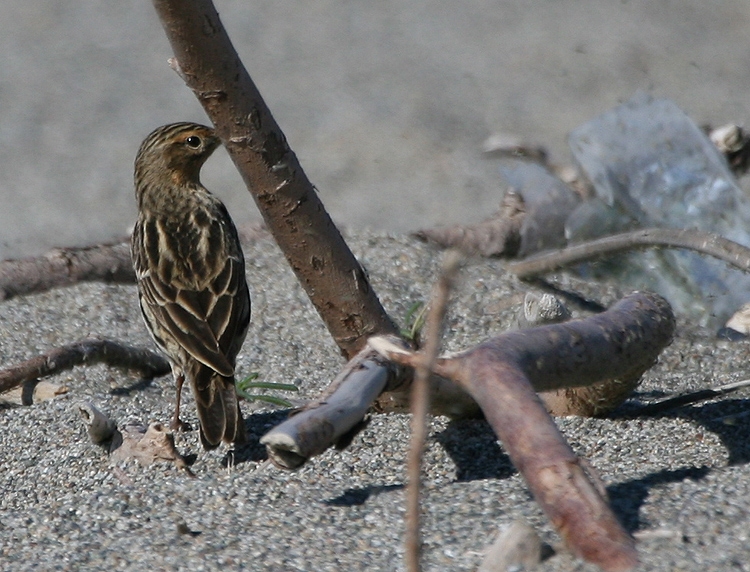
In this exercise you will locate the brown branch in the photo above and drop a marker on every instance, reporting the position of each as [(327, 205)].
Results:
[(499, 235), (502, 375), (330, 274), (726, 250), (88, 352), (66, 266), (420, 405)]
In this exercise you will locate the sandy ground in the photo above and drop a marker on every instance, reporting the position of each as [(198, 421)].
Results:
[(682, 477), (386, 104)]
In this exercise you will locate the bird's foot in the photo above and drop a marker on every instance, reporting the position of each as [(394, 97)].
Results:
[(180, 426)]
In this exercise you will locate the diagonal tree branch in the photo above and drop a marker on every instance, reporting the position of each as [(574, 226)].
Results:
[(330, 274)]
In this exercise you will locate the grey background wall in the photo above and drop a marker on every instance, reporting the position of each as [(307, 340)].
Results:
[(386, 103)]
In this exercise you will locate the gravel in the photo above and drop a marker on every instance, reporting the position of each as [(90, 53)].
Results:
[(64, 506)]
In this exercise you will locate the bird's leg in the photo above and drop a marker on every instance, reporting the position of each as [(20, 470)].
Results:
[(177, 423)]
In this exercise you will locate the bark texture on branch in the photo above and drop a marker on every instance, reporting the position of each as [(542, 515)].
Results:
[(88, 352), (330, 274), (64, 267)]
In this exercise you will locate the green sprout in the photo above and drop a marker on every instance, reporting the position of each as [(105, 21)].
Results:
[(249, 383), (414, 320)]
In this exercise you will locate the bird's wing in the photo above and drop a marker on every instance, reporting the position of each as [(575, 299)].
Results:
[(174, 312), (210, 323)]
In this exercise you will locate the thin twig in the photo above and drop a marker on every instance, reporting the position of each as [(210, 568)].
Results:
[(714, 245), (692, 397), (88, 352), (420, 405)]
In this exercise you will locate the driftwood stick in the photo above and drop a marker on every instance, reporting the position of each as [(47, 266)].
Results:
[(502, 375), (62, 267), (341, 410), (420, 406), (89, 352), (726, 250), (66, 266)]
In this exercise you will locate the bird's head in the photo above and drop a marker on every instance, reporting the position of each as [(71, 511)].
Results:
[(174, 154)]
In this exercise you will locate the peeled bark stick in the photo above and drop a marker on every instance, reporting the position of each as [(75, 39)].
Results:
[(502, 375), (334, 415), (328, 271), (100, 427), (707, 243), (148, 363), (66, 266)]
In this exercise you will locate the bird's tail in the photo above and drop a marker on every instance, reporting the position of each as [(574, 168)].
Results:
[(218, 409)]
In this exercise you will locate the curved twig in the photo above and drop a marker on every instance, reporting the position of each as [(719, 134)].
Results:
[(92, 351), (690, 239)]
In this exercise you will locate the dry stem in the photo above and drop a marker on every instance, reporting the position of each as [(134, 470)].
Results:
[(420, 405), (690, 239)]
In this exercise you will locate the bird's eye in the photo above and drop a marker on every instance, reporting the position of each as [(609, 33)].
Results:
[(193, 141)]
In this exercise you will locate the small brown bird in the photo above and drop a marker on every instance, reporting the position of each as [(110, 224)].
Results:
[(191, 275)]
